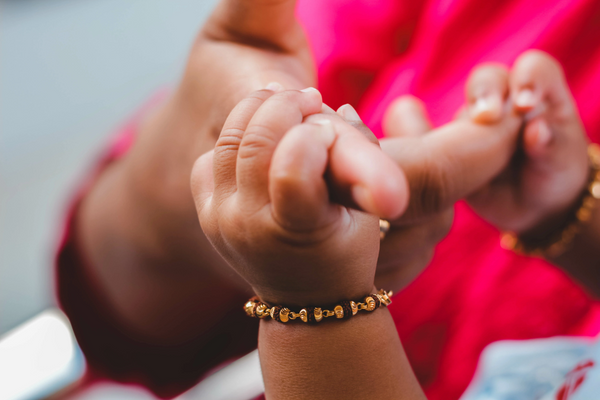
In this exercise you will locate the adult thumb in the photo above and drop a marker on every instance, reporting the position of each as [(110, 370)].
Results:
[(268, 24)]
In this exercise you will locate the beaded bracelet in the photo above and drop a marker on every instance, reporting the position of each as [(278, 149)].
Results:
[(344, 310), (560, 242)]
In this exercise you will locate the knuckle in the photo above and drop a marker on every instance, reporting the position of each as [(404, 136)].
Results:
[(229, 140), (431, 194), (257, 140)]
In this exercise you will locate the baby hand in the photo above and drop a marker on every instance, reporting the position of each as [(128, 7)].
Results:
[(263, 199), (548, 173)]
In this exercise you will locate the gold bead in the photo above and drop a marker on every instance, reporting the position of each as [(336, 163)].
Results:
[(370, 303), (284, 315), (584, 214), (249, 308), (595, 190), (303, 315), (384, 228), (508, 241), (339, 312), (262, 311), (354, 307), (318, 313)]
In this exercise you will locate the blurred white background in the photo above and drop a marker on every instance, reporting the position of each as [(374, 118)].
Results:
[(71, 71)]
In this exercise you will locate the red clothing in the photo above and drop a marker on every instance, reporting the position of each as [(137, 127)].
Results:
[(473, 293)]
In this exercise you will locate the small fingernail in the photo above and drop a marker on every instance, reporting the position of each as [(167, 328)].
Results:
[(326, 129), (544, 133), (274, 86), (349, 113), (308, 89), (362, 196), (525, 99)]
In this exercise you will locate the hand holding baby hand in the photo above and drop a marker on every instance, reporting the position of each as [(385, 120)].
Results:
[(263, 199)]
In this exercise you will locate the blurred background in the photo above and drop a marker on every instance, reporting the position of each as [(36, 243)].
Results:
[(71, 71)]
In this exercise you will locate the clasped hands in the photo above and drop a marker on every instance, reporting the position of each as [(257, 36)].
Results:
[(292, 202), (292, 192)]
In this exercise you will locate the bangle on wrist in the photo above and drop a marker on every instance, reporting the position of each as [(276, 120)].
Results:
[(558, 243), (343, 310)]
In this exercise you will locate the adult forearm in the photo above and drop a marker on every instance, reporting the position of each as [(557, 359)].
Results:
[(582, 259), (360, 358), (138, 231)]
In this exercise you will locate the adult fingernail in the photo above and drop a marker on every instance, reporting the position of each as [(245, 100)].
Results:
[(274, 86), (525, 99), (309, 89), (349, 113), (327, 130), (486, 109), (362, 196)]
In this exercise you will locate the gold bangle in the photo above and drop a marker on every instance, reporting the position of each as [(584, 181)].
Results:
[(560, 242), (344, 310)]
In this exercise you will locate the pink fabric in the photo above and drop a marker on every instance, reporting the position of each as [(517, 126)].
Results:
[(371, 51)]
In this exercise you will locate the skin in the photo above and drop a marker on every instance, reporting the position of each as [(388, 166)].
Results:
[(320, 365), (263, 200), (138, 228), (538, 191)]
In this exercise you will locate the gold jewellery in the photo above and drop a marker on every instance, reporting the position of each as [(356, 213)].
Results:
[(384, 228), (344, 310), (559, 243)]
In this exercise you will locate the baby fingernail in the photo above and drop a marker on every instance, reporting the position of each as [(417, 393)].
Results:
[(274, 86), (308, 89), (349, 113), (327, 129), (525, 99)]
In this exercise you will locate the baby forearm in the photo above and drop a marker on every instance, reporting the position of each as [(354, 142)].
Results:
[(360, 358)]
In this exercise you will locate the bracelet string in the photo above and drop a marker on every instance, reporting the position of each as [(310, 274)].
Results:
[(343, 310)]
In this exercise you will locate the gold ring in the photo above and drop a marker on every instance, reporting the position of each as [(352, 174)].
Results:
[(384, 228)]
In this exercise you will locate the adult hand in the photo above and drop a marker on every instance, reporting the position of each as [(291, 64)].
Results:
[(547, 175), (244, 46), (138, 226), (442, 166)]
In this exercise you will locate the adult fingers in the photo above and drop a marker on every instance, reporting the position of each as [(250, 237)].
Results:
[(452, 162), (536, 82), (260, 23), (553, 128), (227, 146), (486, 92), (360, 175), (406, 117), (297, 186), (272, 120)]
